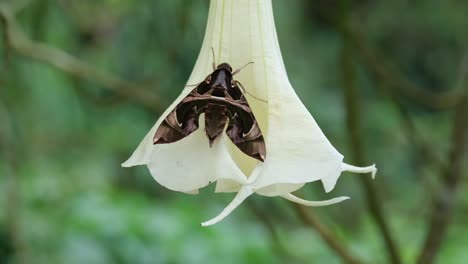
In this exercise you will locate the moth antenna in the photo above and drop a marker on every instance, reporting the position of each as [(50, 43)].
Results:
[(214, 59), (245, 91), (238, 70)]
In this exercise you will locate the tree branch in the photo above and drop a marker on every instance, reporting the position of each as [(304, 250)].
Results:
[(358, 154), (277, 244), (63, 61), (12, 189), (18, 5), (400, 85), (6, 53), (445, 199), (310, 219)]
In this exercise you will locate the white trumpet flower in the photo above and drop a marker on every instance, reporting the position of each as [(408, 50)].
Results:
[(297, 151)]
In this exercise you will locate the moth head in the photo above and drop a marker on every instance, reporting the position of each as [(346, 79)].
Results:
[(225, 66)]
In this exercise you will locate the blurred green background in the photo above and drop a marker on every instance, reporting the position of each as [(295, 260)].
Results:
[(382, 79)]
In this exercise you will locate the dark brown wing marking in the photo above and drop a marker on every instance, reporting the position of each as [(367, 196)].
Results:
[(179, 123), (171, 130), (221, 105), (243, 130)]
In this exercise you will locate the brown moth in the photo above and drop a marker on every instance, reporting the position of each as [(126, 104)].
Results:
[(220, 98)]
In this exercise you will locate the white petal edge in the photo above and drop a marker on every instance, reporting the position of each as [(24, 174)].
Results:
[(192, 192), (142, 154), (298, 200), (243, 193)]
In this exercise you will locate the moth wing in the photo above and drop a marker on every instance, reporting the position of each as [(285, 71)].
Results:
[(243, 129), (182, 121)]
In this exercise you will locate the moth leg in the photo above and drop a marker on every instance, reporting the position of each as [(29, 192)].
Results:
[(214, 59), (236, 82)]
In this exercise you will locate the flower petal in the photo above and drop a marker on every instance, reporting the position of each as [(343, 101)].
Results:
[(243, 193), (298, 151), (330, 182), (298, 200), (190, 163)]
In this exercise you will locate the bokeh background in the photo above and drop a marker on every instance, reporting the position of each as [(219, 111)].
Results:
[(82, 81)]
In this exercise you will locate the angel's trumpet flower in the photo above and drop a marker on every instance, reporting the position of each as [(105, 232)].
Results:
[(297, 151)]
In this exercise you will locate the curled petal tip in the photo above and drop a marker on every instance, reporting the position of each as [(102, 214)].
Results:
[(372, 169), (342, 198), (243, 193), (209, 223), (374, 172), (298, 200), (125, 165)]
